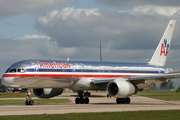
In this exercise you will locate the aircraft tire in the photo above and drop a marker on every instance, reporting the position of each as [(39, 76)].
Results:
[(86, 100), (27, 102), (118, 100), (31, 102), (127, 100), (77, 100)]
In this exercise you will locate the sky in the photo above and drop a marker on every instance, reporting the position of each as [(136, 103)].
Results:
[(57, 29)]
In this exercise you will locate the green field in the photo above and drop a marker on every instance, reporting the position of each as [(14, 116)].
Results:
[(163, 95), (36, 101), (23, 95), (13, 95), (130, 115)]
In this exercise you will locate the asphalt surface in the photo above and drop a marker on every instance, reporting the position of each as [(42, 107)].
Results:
[(98, 103)]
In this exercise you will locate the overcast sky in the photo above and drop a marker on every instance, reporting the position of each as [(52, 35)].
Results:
[(58, 29)]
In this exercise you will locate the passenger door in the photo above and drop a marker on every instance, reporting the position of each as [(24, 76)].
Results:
[(36, 70)]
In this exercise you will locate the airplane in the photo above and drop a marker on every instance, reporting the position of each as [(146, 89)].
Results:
[(48, 78)]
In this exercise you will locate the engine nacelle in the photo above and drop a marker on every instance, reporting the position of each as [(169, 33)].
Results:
[(121, 89), (47, 92)]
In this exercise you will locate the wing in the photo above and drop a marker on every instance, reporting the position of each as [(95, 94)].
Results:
[(141, 81)]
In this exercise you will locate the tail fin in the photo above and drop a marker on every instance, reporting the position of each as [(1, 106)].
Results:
[(160, 55)]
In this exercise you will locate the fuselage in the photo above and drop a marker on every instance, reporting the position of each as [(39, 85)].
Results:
[(65, 74)]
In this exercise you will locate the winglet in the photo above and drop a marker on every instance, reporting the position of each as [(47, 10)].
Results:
[(160, 55)]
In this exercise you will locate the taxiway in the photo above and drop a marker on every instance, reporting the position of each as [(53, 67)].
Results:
[(98, 103)]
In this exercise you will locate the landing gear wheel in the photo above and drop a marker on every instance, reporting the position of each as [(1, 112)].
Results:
[(128, 100), (86, 100), (77, 100), (123, 100), (31, 102), (27, 102), (118, 100), (81, 99)]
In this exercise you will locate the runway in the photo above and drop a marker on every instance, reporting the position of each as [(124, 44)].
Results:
[(98, 103)]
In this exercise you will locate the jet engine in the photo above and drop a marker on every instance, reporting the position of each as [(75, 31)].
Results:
[(47, 92), (121, 89)]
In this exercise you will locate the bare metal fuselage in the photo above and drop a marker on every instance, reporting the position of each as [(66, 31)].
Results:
[(66, 74)]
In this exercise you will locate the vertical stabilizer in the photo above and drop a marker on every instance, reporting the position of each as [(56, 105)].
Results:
[(160, 55)]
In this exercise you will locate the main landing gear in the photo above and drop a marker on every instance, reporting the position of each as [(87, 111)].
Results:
[(81, 99), (126, 100), (123, 100)]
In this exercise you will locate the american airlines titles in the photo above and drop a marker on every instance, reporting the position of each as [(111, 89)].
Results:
[(54, 65)]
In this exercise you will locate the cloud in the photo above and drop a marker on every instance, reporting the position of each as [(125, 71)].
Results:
[(162, 10), (119, 30), (126, 35), (17, 49), (15, 7), (133, 3), (30, 37)]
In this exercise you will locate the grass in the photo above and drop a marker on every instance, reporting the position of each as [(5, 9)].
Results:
[(13, 95), (129, 115), (163, 95), (23, 95), (36, 101)]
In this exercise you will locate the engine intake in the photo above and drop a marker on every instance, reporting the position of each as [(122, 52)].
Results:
[(47, 92), (121, 89)]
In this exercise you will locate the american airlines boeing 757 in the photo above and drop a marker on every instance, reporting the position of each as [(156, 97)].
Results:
[(48, 78)]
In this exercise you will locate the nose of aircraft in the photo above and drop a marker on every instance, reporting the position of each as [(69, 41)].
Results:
[(7, 81)]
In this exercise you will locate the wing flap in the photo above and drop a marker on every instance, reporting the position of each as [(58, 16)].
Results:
[(156, 77)]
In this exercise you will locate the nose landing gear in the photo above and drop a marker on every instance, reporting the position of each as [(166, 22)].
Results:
[(29, 101)]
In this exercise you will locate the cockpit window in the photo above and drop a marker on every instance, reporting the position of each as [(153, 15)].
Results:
[(12, 70), (16, 70), (23, 70)]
